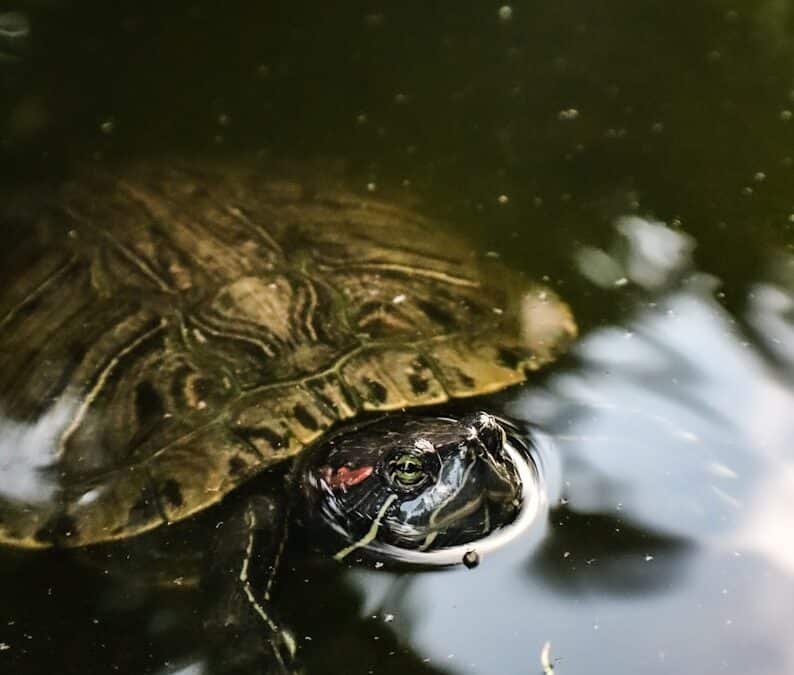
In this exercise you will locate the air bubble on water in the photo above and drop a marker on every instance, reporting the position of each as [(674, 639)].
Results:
[(374, 20), (505, 13), (371, 187), (388, 618), (568, 114), (503, 199), (89, 497), (108, 126), (759, 176), (223, 120), (785, 115)]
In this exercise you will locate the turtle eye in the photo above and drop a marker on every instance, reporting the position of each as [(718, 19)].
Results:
[(407, 471)]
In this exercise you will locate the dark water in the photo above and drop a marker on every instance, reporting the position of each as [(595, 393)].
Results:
[(640, 156)]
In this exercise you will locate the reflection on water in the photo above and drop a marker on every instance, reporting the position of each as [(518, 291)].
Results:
[(648, 254), (27, 452), (601, 552)]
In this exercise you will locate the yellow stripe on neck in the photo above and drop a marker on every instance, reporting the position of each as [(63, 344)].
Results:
[(371, 533)]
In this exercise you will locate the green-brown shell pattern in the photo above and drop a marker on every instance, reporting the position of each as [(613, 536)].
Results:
[(168, 331)]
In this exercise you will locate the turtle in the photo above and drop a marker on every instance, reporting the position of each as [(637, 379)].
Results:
[(172, 330)]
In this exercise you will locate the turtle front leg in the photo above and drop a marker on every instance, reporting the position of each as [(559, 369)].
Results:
[(245, 635)]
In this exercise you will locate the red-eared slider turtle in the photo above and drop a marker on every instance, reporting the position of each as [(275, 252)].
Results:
[(169, 331)]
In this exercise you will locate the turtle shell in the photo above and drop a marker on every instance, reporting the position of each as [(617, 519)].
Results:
[(169, 331)]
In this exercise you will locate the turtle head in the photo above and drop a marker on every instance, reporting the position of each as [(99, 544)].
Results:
[(421, 490)]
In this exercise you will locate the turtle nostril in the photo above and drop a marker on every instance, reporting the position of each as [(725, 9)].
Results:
[(488, 431)]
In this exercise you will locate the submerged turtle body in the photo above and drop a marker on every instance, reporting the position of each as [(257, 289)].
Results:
[(167, 332)]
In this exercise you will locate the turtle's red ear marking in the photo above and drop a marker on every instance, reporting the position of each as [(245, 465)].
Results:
[(344, 477)]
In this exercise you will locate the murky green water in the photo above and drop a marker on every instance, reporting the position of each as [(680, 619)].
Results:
[(637, 154)]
